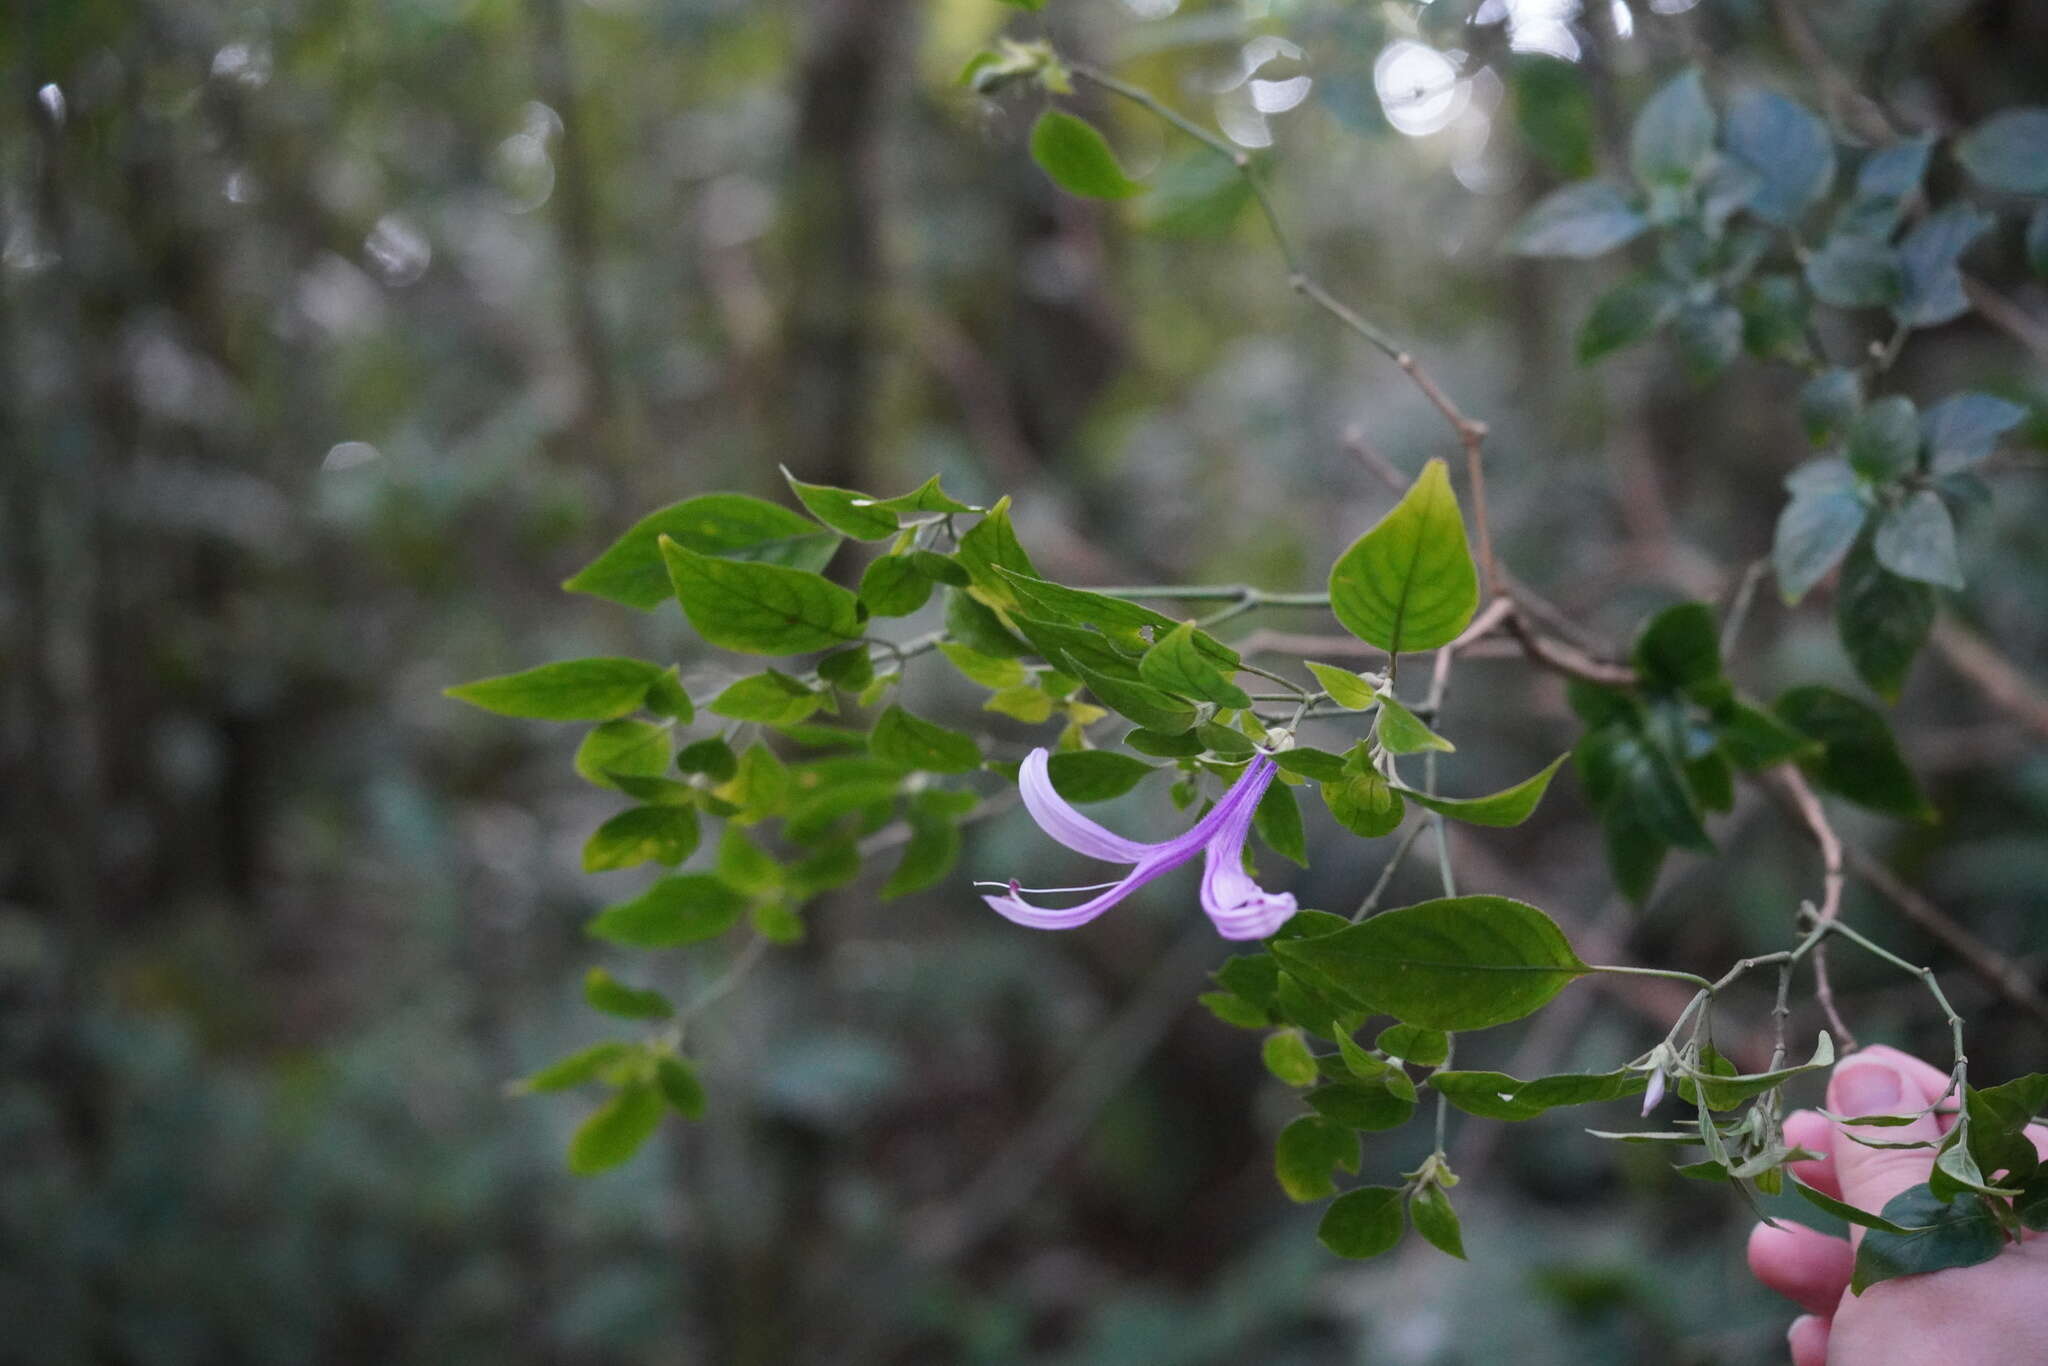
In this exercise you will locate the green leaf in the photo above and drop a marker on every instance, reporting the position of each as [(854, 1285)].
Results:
[(991, 544), (744, 865), (1828, 403), (1814, 531), (711, 756), (1883, 620), (2005, 151), (1363, 1223), (1787, 147), (1774, 318), (929, 853), (1277, 818), (622, 749), (1709, 338), (1855, 272), (1455, 963), (1366, 804), (1286, 1056), (1932, 288), (679, 1087), (1308, 1150), (1960, 432), (1401, 731), (1183, 745), (987, 670), (1117, 618), (1430, 1210), (1626, 315), (1916, 539), (974, 625), (1318, 764), (676, 910), (2037, 240), (1727, 1092), (588, 1065), (573, 690), (1028, 703), (731, 525), (1078, 159), (892, 586), (615, 1130), (1423, 1047), (1362, 1105), (1140, 702), (763, 609), (1753, 739), (913, 742), (614, 997), (1884, 442), (1506, 808), (1234, 1010), (771, 697), (1674, 133), (1584, 219), (844, 510), (2031, 1205), (1859, 758), (1679, 648), (1625, 773), (850, 670), (939, 568), (1496, 1095), (1842, 1209), (1943, 1234), (1409, 584), (1177, 665), (661, 834), (1094, 775), (1345, 688)]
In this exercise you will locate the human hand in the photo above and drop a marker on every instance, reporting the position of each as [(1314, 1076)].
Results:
[(1991, 1314)]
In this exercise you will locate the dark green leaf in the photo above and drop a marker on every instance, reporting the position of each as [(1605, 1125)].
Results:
[(1774, 315), (1882, 619), (2006, 151), (992, 544), (711, 757), (1308, 1151), (1140, 702), (1370, 1106), (674, 911), (1094, 775), (912, 742), (573, 690), (1182, 745), (1727, 1092), (679, 1087), (615, 1130), (1496, 1095), (661, 834), (1553, 105), (1626, 315), (1423, 1047), (974, 625), (1584, 219), (892, 586), (1278, 822), (1859, 759), (1363, 1223), (1841, 1209), (1679, 648), (1828, 403), (2037, 240), (1508, 807), (844, 510), (614, 997), (1916, 539), (1674, 132), (939, 568), (771, 697), (1434, 1219), (1318, 764), (1177, 665), (1884, 441), (1365, 804), (1078, 159), (759, 608), (1409, 584), (1455, 963), (1788, 149), (731, 525), (1944, 1234), (1753, 739), (851, 669)]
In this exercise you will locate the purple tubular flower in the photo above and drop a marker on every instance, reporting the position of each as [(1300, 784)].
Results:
[(1239, 907)]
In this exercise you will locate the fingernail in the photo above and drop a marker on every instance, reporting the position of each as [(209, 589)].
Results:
[(1869, 1089)]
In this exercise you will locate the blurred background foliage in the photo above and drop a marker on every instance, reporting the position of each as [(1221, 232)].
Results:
[(337, 332)]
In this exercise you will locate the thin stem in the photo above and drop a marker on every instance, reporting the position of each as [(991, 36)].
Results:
[(721, 986), (1443, 1100), (1393, 865), (1668, 974), (1215, 592)]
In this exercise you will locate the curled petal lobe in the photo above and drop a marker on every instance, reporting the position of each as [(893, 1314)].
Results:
[(1059, 819)]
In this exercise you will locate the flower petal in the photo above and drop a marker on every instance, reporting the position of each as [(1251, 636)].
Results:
[(1060, 820), (1239, 907), (1014, 907)]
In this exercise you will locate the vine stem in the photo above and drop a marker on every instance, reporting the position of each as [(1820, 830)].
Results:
[(1816, 818)]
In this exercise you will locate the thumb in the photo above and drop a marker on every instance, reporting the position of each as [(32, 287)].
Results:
[(1880, 1082)]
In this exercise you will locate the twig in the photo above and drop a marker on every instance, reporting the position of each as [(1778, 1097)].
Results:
[(1393, 865), (2001, 682), (1815, 818), (1739, 605), (2008, 317), (1369, 456)]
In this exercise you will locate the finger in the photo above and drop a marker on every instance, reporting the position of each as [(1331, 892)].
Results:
[(1883, 1081), (1812, 1131), (2039, 1134), (1806, 1266), (1808, 1339)]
